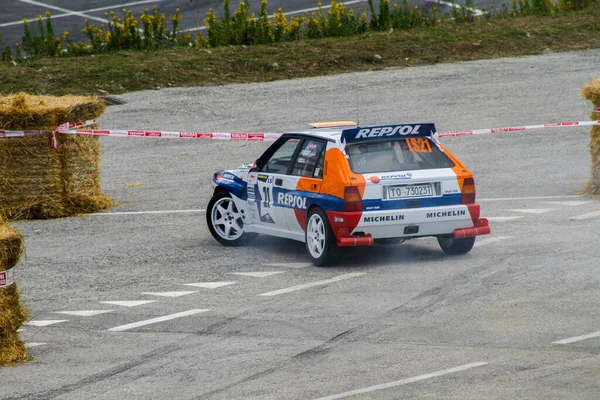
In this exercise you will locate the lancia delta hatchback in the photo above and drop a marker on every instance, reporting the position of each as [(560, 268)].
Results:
[(337, 186)]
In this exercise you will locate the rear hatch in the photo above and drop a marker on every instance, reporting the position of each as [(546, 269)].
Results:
[(404, 173)]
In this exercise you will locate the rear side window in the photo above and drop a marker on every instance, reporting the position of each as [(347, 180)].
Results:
[(396, 155), (307, 161)]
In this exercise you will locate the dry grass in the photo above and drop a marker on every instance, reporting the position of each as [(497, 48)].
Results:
[(37, 181)]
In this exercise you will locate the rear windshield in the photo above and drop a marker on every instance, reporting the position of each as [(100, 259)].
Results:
[(396, 155)]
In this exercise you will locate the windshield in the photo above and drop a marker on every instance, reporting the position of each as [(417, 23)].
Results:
[(396, 155)]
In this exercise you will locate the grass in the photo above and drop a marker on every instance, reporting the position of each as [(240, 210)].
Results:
[(126, 71)]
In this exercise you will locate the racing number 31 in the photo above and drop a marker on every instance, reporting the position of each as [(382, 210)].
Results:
[(418, 145)]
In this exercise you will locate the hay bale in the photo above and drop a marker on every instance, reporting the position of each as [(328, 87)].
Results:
[(591, 91), (38, 182), (12, 313)]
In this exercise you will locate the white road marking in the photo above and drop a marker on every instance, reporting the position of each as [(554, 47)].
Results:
[(484, 242), (313, 284), (132, 303), (34, 344), (404, 381), (589, 215), (533, 210), (91, 10), (209, 285), (569, 203), (145, 212), (169, 294), (502, 219), (51, 7), (156, 320), (83, 313), (291, 265), (529, 198), (262, 274), (21, 330), (578, 338), (45, 322)]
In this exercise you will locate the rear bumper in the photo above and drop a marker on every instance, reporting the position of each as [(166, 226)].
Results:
[(361, 228)]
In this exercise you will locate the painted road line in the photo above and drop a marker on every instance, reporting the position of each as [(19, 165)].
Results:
[(91, 10), (533, 210), (569, 203), (530, 198), (313, 284), (132, 303), (578, 338), (502, 219), (209, 285), (486, 241), (145, 212), (589, 215), (84, 313), (404, 381), (291, 265), (259, 274), (169, 294), (45, 322), (34, 344), (476, 11), (156, 320), (64, 10)]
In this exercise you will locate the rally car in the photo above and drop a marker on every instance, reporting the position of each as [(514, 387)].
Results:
[(339, 185)]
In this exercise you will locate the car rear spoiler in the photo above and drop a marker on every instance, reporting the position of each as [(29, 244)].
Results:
[(387, 132)]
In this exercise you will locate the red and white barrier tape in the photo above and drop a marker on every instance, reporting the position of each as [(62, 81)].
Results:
[(7, 277), (247, 136), (516, 128)]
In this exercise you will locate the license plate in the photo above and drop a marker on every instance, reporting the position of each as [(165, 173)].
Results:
[(404, 191)]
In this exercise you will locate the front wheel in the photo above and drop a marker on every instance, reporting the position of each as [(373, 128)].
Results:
[(320, 240), (456, 246), (225, 221)]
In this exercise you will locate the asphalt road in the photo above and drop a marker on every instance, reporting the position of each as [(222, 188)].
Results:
[(509, 320), (69, 15)]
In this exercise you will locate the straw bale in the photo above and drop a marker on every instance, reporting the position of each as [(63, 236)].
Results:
[(38, 182), (12, 316), (591, 91), (11, 247), (27, 112)]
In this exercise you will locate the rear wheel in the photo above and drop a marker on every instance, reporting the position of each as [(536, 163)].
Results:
[(320, 240), (456, 246), (225, 221)]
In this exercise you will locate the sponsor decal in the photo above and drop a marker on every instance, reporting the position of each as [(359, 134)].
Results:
[(291, 200), (402, 175), (443, 214), (262, 178), (384, 218), (387, 131), (375, 179), (338, 219), (239, 136), (308, 153), (312, 146), (256, 136), (7, 277), (228, 177)]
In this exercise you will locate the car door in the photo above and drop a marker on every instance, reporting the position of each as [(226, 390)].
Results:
[(267, 182), (302, 183)]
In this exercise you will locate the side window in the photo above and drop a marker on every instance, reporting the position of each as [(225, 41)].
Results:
[(308, 159), (280, 160)]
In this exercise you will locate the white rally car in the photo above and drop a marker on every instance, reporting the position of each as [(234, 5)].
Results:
[(338, 186)]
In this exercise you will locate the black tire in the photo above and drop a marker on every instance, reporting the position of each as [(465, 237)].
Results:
[(225, 222), (321, 244), (455, 247)]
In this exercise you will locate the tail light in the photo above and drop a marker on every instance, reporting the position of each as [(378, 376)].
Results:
[(468, 191), (352, 199)]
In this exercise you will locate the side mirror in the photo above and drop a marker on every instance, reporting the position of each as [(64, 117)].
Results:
[(258, 165)]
